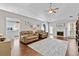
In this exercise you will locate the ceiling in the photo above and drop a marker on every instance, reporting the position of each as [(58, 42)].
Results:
[(39, 10)]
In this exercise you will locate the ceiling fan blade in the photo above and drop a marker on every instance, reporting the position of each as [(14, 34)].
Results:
[(54, 11), (56, 8)]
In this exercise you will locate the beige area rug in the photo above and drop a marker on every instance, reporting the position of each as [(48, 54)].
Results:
[(50, 47)]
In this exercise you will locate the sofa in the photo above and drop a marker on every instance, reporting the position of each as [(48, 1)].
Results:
[(42, 34), (29, 36)]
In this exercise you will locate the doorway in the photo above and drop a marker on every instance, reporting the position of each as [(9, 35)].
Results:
[(13, 28), (13, 33)]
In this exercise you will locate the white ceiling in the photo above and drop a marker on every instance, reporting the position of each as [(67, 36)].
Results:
[(39, 10)]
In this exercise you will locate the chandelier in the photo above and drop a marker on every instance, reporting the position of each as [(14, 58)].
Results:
[(52, 10)]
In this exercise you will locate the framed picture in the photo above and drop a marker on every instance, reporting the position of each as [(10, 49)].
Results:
[(60, 25)]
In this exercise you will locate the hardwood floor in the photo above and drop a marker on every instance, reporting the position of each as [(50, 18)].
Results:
[(27, 51), (20, 49), (24, 50)]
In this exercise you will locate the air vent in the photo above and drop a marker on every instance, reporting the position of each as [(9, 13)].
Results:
[(70, 16)]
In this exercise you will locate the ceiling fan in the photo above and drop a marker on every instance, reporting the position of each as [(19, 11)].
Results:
[(51, 9)]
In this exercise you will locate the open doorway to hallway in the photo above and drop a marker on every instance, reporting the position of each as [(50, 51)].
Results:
[(13, 32)]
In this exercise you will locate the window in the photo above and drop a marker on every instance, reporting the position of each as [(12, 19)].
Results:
[(71, 29)]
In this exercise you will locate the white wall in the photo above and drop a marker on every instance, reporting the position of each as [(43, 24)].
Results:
[(4, 14), (58, 27), (24, 20), (2, 24), (25, 26)]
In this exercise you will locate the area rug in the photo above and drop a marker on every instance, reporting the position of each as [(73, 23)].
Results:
[(50, 47)]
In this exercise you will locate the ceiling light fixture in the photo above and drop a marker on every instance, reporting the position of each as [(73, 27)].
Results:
[(52, 10)]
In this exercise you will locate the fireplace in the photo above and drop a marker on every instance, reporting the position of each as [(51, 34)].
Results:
[(60, 33)]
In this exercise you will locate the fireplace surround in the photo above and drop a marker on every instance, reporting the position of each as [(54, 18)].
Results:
[(60, 35)]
